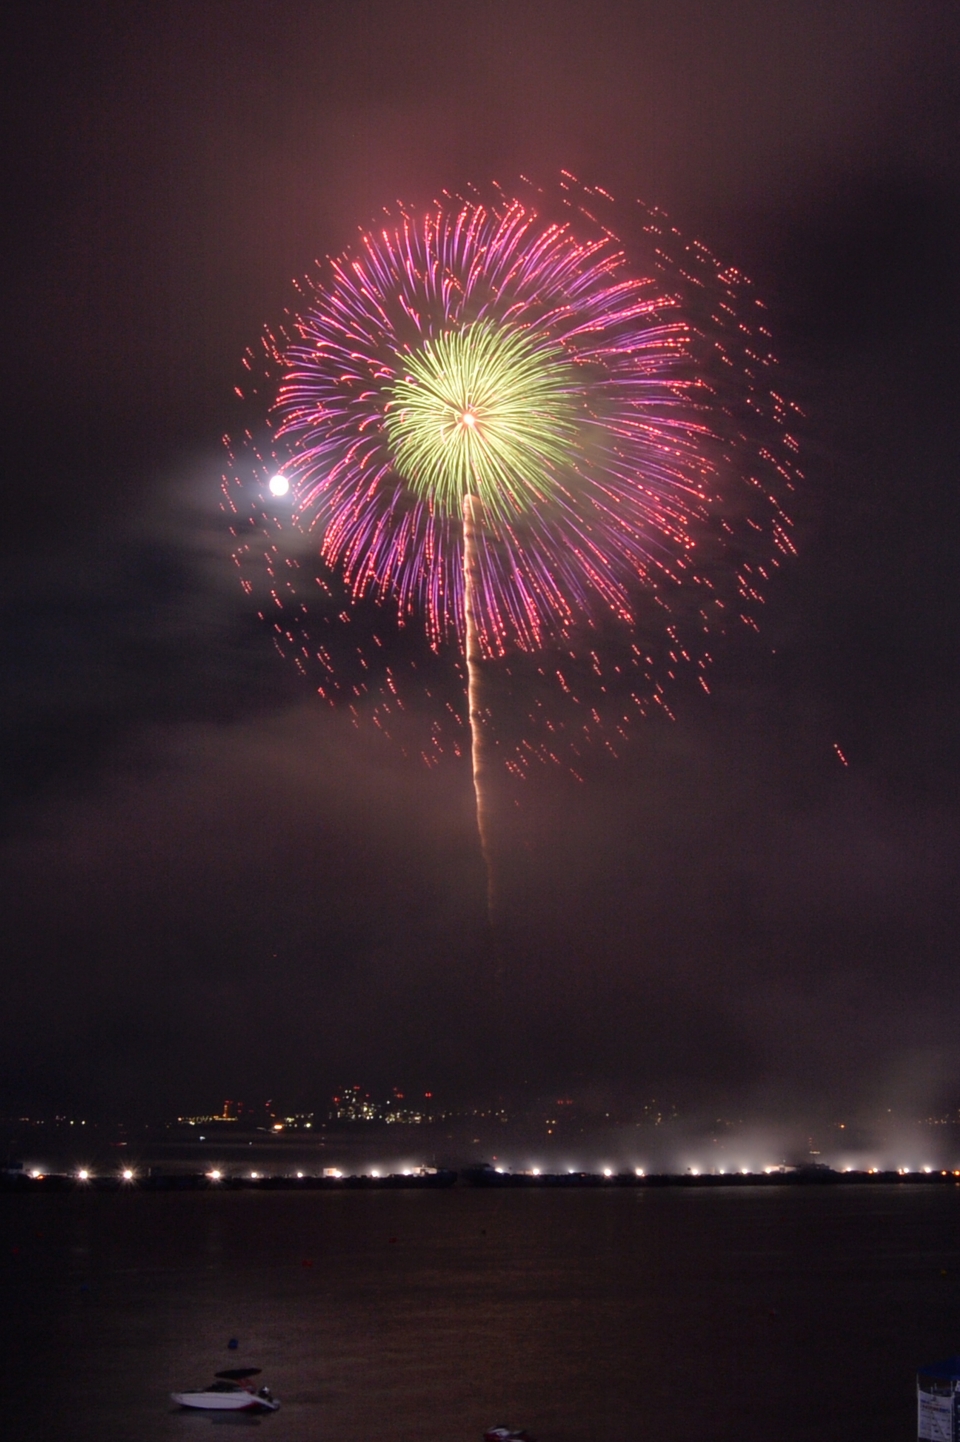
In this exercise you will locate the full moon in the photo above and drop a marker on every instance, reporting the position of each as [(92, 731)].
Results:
[(279, 485)]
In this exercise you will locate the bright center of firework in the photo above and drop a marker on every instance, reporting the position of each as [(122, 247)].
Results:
[(279, 485), (489, 410)]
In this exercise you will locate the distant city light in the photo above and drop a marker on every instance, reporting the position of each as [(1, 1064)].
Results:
[(83, 1175), (638, 1171), (35, 1174), (374, 1173), (279, 485), (300, 1175), (215, 1175), (127, 1174), (608, 1171), (254, 1176), (536, 1172)]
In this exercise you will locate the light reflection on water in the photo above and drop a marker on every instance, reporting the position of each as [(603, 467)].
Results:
[(789, 1313)]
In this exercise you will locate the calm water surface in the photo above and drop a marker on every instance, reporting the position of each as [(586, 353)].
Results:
[(781, 1314)]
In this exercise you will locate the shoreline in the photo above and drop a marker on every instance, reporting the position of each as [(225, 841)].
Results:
[(157, 1180)]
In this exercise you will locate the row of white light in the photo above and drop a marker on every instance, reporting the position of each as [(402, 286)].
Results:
[(216, 1175), (333, 1173), (745, 1171), (85, 1175)]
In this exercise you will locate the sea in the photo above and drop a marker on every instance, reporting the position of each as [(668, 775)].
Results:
[(767, 1314)]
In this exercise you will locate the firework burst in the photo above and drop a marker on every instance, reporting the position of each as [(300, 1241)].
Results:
[(555, 460), (479, 351)]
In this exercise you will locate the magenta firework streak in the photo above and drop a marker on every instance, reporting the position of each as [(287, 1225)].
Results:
[(614, 425), (600, 464)]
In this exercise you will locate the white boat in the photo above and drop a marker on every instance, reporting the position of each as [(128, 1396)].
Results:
[(233, 1391)]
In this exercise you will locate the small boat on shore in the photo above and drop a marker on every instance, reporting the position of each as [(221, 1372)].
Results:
[(233, 1391)]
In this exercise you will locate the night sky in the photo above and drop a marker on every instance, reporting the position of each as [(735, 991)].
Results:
[(211, 885)]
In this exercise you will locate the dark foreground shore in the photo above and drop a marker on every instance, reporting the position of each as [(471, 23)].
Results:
[(681, 1312)]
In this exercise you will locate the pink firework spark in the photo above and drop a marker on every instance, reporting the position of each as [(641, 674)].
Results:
[(660, 531)]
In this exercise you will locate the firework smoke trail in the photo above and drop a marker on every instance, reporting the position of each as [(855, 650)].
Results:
[(473, 656), (562, 466)]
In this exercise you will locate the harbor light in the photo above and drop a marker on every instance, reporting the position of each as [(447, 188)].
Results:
[(608, 1171), (83, 1175), (638, 1171), (215, 1175), (127, 1174)]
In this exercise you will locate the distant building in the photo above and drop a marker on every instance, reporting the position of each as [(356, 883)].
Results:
[(355, 1105)]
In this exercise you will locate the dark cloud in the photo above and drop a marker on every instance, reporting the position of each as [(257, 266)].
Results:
[(211, 885)]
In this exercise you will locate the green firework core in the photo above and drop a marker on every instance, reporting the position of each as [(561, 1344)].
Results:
[(489, 410)]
